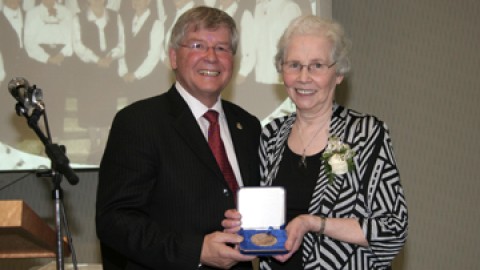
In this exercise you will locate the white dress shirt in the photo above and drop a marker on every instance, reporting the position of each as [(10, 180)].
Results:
[(271, 19), (28, 4), (41, 28), (210, 3), (114, 5)]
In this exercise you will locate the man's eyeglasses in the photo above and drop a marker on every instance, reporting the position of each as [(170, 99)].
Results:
[(316, 68), (202, 47)]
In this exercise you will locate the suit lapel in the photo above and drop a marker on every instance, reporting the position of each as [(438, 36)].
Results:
[(188, 130), (240, 142)]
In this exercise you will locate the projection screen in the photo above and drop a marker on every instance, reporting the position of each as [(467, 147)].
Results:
[(87, 75)]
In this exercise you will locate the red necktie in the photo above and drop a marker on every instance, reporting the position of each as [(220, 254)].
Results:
[(218, 149)]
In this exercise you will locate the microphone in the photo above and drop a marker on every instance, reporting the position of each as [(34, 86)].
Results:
[(29, 97)]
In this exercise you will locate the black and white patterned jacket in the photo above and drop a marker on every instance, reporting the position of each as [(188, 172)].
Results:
[(371, 192)]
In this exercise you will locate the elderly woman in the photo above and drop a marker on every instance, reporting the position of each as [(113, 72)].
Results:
[(345, 203)]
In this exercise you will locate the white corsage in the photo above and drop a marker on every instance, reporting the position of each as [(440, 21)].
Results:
[(338, 158)]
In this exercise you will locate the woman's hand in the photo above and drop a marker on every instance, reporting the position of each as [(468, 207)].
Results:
[(232, 222), (342, 229), (296, 229)]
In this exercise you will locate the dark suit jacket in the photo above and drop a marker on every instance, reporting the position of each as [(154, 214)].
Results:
[(160, 189)]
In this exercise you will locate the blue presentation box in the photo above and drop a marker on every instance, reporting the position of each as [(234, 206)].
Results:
[(263, 220)]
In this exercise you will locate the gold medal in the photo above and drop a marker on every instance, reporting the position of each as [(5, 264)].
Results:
[(263, 239)]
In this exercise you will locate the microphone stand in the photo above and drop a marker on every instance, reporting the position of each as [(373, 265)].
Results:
[(60, 167)]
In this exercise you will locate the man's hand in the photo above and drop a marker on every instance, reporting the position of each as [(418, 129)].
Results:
[(217, 250), (105, 62), (232, 222), (129, 77), (56, 59)]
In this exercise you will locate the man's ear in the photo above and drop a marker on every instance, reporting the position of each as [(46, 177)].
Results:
[(172, 55)]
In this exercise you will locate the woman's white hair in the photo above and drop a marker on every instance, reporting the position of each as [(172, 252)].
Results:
[(313, 25)]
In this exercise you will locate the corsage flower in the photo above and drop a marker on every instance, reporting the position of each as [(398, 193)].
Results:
[(338, 158)]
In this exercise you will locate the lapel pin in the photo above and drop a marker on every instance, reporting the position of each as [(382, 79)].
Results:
[(239, 126)]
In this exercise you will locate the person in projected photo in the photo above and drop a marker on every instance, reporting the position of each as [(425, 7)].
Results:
[(174, 9), (98, 42), (71, 5), (125, 7), (242, 13), (345, 205), (161, 193), (256, 78), (144, 35), (48, 42), (11, 47)]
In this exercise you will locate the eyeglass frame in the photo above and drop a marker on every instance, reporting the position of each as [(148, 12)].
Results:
[(204, 48), (309, 67)]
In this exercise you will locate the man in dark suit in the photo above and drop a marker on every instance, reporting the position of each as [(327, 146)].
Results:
[(161, 194)]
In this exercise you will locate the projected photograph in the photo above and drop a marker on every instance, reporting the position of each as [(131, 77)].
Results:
[(91, 58)]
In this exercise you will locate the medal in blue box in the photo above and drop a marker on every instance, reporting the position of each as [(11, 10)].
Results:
[(263, 220)]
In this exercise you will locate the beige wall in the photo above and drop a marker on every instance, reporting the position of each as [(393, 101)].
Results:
[(416, 65)]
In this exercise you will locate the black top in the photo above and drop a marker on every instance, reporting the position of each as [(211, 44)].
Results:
[(299, 182)]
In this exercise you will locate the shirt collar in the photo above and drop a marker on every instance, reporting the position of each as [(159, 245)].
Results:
[(11, 13), (144, 16), (45, 8), (92, 18), (198, 109)]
